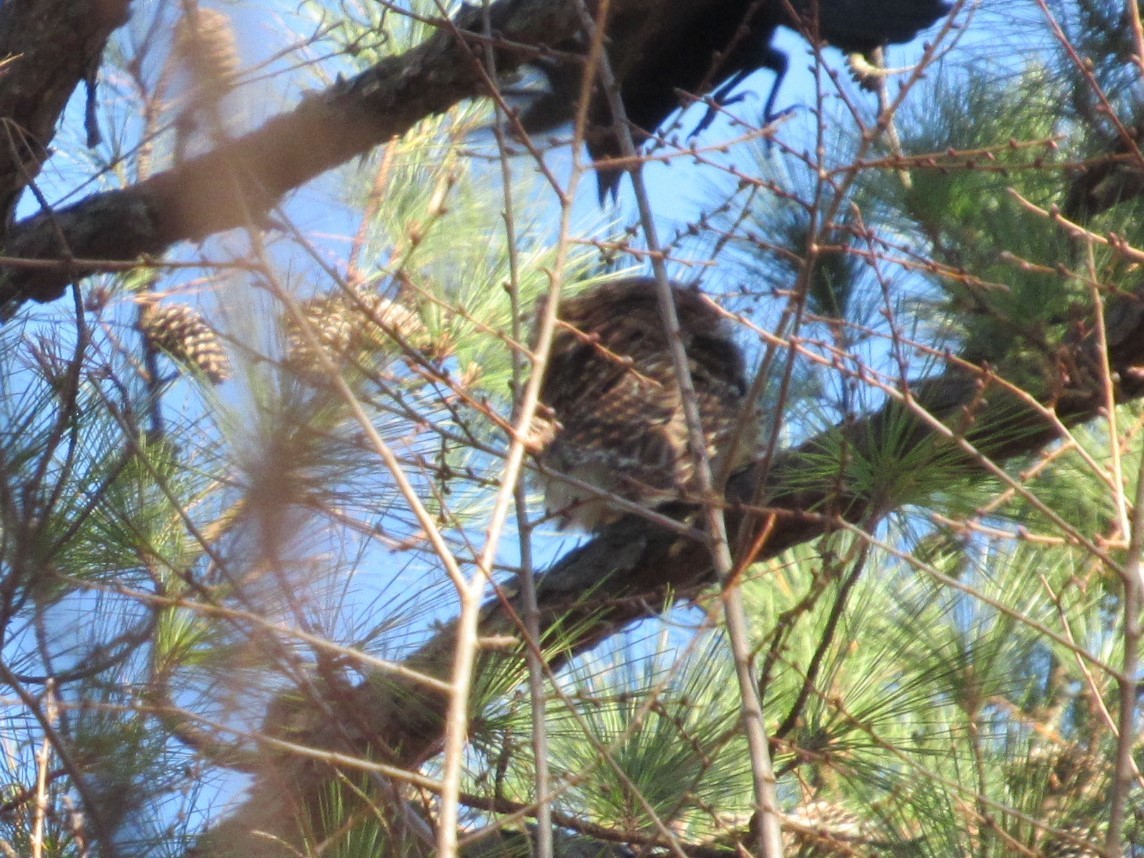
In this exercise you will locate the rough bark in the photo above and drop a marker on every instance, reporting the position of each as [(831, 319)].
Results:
[(48, 47), (236, 184)]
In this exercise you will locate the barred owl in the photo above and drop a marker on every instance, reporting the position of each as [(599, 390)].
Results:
[(612, 412)]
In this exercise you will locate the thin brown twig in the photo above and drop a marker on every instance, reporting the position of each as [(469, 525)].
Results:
[(471, 591), (762, 771), (531, 617), (43, 761), (1132, 582)]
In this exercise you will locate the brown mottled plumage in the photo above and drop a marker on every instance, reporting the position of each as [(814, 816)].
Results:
[(613, 412)]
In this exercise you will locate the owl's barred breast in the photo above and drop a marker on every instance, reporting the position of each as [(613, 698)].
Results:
[(614, 413)]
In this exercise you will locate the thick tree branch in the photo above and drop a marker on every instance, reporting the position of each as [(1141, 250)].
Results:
[(236, 184), (239, 182), (634, 567), (48, 47)]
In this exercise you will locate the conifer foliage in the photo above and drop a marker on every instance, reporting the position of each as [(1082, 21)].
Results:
[(280, 286)]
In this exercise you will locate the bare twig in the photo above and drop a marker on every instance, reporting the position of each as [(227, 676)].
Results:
[(1132, 581), (762, 771)]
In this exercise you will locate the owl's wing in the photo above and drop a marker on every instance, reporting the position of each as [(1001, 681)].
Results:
[(612, 412)]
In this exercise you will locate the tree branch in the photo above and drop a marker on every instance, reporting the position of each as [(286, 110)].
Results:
[(47, 47), (237, 183), (635, 568)]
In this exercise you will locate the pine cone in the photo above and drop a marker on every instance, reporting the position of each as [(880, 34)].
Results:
[(823, 829), (1068, 847), (346, 325), (207, 50), (181, 332), (328, 319)]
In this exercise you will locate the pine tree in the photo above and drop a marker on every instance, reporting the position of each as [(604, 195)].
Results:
[(275, 575)]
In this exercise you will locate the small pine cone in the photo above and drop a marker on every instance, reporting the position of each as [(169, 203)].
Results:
[(181, 332), (823, 829), (207, 50), (1077, 845), (346, 324), (327, 319), (383, 318)]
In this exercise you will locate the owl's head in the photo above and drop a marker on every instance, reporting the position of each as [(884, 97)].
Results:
[(618, 310)]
